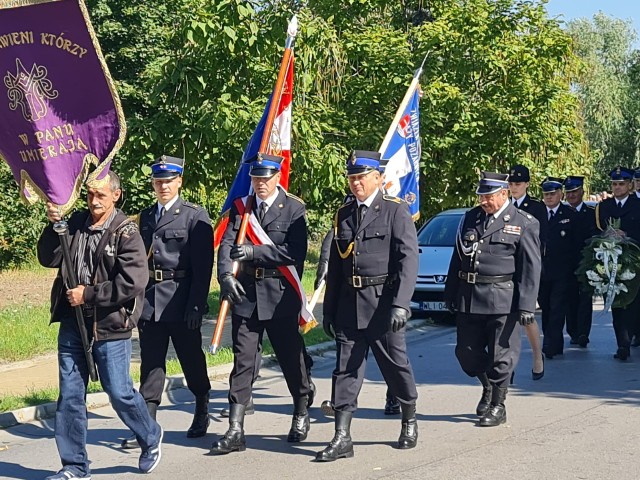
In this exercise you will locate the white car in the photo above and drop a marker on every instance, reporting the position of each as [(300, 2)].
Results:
[(436, 241)]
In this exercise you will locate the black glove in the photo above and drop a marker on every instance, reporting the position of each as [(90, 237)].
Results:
[(231, 289), (526, 318), (321, 274), (328, 326), (193, 320), (242, 253), (398, 318)]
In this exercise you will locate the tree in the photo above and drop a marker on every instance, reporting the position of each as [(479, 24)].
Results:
[(606, 90)]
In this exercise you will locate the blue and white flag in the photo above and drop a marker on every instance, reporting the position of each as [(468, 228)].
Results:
[(401, 147)]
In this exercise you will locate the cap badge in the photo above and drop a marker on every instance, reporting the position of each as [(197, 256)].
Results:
[(353, 158), (506, 218)]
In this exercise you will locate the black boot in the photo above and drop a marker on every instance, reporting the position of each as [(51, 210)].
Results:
[(392, 405), (233, 440), (497, 413), (485, 400), (200, 422), (312, 389), (300, 423), (250, 409), (341, 445), (409, 433), (132, 441)]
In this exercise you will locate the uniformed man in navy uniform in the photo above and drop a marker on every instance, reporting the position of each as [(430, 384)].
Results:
[(580, 303), (179, 240), (370, 279), (625, 206), (492, 284), (263, 299), (519, 179), (559, 261)]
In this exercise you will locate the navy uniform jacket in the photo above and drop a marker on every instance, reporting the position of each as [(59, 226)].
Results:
[(285, 224), (629, 215), (182, 241), (538, 210), (563, 247), (586, 219), (384, 243), (510, 246)]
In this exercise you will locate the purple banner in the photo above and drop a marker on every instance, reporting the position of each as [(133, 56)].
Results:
[(60, 116)]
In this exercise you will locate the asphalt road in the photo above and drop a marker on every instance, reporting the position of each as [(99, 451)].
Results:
[(581, 421)]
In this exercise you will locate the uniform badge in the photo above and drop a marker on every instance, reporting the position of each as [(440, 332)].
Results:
[(177, 210), (280, 205), (525, 204), (506, 218), (562, 233), (512, 229), (353, 158), (472, 237), (566, 220)]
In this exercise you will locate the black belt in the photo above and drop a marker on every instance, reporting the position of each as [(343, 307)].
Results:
[(260, 273), (161, 275), (358, 281), (471, 277)]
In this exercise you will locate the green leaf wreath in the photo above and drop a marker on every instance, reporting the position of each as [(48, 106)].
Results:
[(610, 267)]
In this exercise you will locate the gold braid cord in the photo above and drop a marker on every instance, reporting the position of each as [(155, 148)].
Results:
[(347, 252)]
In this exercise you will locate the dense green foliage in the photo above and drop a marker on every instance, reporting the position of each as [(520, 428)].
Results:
[(194, 77)]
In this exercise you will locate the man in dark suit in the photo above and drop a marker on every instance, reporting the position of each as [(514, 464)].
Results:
[(559, 261), (179, 240), (580, 303), (624, 207), (264, 299), (371, 276), (492, 284)]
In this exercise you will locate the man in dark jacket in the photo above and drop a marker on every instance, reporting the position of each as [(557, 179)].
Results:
[(179, 240), (263, 298), (371, 276), (623, 207), (110, 262), (559, 261), (492, 283), (580, 303)]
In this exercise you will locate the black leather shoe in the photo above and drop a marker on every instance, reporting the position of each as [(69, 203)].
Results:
[(233, 439), (497, 413), (622, 354), (392, 406), (249, 410), (582, 341), (341, 445), (300, 426), (538, 375), (408, 434), (327, 408), (200, 422), (573, 341)]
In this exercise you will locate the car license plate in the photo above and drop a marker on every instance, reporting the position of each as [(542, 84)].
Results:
[(434, 306)]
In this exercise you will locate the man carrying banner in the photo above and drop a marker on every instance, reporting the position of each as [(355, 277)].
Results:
[(110, 263), (179, 240), (264, 296), (371, 276)]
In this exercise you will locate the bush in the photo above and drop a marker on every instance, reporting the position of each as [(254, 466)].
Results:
[(20, 225)]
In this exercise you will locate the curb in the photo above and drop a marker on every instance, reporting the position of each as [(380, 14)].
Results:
[(100, 399)]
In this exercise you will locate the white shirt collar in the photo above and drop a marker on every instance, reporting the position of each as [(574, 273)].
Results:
[(579, 207), (369, 200), (269, 200), (518, 201), (167, 206), (623, 201), (502, 208)]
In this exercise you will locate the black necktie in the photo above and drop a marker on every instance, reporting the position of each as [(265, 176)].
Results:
[(619, 205), (551, 215), (262, 211), (161, 214), (362, 211), (487, 221)]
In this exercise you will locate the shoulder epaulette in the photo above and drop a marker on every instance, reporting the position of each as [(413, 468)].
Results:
[(135, 218), (525, 214), (346, 204), (291, 195), (534, 199), (191, 205), (391, 198)]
